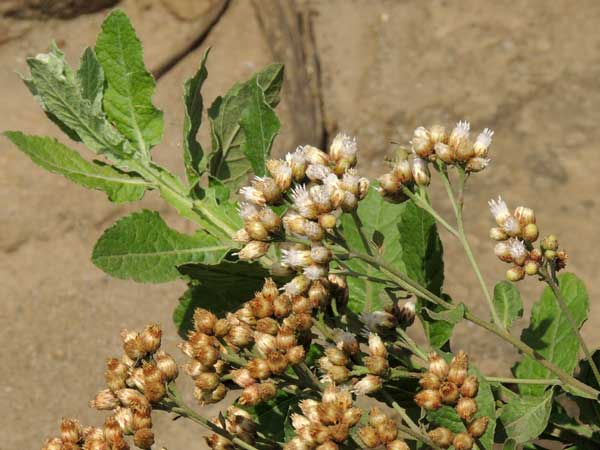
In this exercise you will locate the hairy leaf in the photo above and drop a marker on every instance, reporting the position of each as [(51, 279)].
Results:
[(220, 218), (130, 87), (53, 84), (447, 417), (525, 418), (550, 334), (143, 248), (406, 239), (219, 288), (507, 303), (273, 416), (193, 155), (260, 126), (228, 162), (90, 77), (51, 155)]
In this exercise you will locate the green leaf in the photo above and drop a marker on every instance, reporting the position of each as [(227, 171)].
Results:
[(561, 419), (90, 77), (507, 303), (447, 417), (228, 162), (218, 217), (143, 248), (273, 417), (510, 444), (260, 126), (53, 156), (408, 240), (53, 84), (130, 87), (219, 288), (589, 408), (452, 316), (550, 334), (525, 418), (193, 155)]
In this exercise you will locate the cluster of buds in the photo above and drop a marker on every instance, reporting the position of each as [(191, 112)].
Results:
[(381, 430), (266, 335), (135, 382), (451, 384), (515, 235), (325, 424), (431, 145), (400, 314), (236, 422), (319, 186)]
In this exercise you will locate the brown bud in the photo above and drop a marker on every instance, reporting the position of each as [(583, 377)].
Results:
[(301, 304), (329, 413), (319, 294), (207, 355), (151, 337), (295, 355), (154, 392), (535, 255), (112, 429), (376, 365), (71, 430), (438, 366), (240, 336), (300, 322), (204, 321), (351, 416), (470, 387), (339, 432), (429, 381), (53, 444), (515, 274), (463, 441), (466, 408), (336, 356), (282, 306), (387, 431), (369, 436), (133, 344), (376, 417), (368, 384), (442, 437), (286, 338), (267, 325), (397, 444), (259, 368), (141, 420), (166, 364), (144, 438), (124, 417), (277, 361), (449, 393), (152, 374), (242, 377), (328, 445), (478, 427), (270, 219), (105, 400), (217, 442), (338, 374), (261, 306), (207, 381), (429, 399), (327, 221), (458, 368), (267, 391)]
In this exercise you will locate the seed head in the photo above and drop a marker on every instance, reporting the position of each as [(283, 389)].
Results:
[(367, 385), (463, 441), (71, 430), (369, 436), (442, 437), (204, 321), (429, 399), (420, 172), (499, 210), (470, 387), (438, 366), (144, 438), (253, 250), (466, 408), (105, 400)]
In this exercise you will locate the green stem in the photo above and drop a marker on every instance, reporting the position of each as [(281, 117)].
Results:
[(407, 283), (412, 344), (364, 239), (552, 281), (509, 380), (304, 373)]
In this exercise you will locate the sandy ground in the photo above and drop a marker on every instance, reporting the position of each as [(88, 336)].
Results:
[(527, 69)]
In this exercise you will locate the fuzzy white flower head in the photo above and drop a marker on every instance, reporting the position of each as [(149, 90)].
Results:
[(343, 146), (317, 172), (499, 210), (248, 210), (320, 194), (252, 195), (517, 249), (296, 157), (376, 346), (460, 134), (295, 258), (299, 421), (315, 272), (512, 226), (300, 194), (303, 203), (264, 342), (367, 385), (483, 142)]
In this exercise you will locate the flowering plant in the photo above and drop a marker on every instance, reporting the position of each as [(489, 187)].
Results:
[(304, 281)]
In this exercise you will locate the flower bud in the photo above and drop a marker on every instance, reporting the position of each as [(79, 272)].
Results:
[(282, 306), (317, 172), (253, 250), (241, 236), (259, 368), (363, 187), (286, 338), (376, 417), (320, 254), (277, 362), (141, 420), (298, 286), (295, 355), (256, 230), (438, 366), (470, 387), (267, 391), (204, 321), (530, 232), (267, 325), (217, 442), (449, 392), (250, 395), (207, 355), (550, 243), (378, 321), (242, 377), (327, 221), (301, 304), (478, 426), (429, 381), (252, 195), (444, 152), (387, 431), (144, 438), (463, 441), (328, 445), (105, 400), (498, 234), (352, 416), (133, 345), (319, 294), (420, 172), (502, 251), (442, 437), (154, 392), (281, 173), (476, 164), (367, 385), (269, 189), (240, 336), (376, 346), (406, 313), (136, 379), (338, 374), (260, 307), (515, 274), (112, 429), (297, 163), (466, 408), (299, 322), (124, 418), (369, 436), (397, 444), (459, 141), (71, 430), (127, 396), (336, 356), (53, 444), (482, 143), (264, 342), (270, 220), (428, 399), (315, 156), (402, 171), (458, 368), (421, 143), (524, 215), (222, 327), (348, 344), (531, 267), (438, 133), (512, 227), (349, 202)]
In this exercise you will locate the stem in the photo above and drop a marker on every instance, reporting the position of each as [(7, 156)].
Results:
[(427, 207), (553, 283), (462, 237), (407, 283), (304, 373), (509, 380), (412, 344), (359, 227)]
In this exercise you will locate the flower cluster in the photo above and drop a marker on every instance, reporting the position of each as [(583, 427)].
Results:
[(135, 382), (516, 232), (238, 423), (431, 145), (451, 384), (325, 424), (318, 186), (381, 430)]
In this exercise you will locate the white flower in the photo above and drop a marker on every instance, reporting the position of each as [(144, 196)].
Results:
[(252, 195), (296, 157), (315, 272), (248, 210), (317, 172), (499, 210), (367, 385), (460, 134), (512, 226), (343, 146), (299, 421), (296, 258), (483, 142), (517, 249)]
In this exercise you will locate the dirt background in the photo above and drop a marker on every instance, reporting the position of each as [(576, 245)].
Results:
[(377, 69)]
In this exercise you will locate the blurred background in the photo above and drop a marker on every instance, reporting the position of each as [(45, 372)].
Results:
[(374, 68)]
